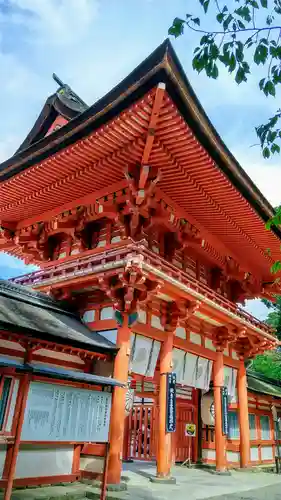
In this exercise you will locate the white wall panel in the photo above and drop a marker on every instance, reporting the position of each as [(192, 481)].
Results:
[(3, 449), (43, 461), (254, 454), (266, 453), (209, 454), (233, 456)]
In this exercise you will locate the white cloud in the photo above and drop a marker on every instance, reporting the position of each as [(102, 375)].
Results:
[(56, 22)]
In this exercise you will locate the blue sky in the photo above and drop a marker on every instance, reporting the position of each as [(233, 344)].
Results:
[(92, 45)]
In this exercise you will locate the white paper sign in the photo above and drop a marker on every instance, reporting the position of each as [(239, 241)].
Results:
[(61, 413)]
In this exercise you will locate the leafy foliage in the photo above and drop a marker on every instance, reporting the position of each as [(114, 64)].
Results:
[(242, 36), (274, 316), (268, 364)]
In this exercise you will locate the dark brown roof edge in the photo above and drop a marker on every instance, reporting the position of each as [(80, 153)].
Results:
[(162, 65)]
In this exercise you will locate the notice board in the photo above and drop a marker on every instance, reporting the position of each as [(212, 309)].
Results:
[(62, 413)]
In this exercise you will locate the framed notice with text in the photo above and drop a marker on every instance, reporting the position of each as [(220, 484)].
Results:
[(224, 402), (62, 413), (171, 402)]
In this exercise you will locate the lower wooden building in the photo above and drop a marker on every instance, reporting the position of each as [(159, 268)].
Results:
[(194, 439), (54, 403)]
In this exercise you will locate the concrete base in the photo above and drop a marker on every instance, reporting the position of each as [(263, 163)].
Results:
[(220, 472), (162, 480)]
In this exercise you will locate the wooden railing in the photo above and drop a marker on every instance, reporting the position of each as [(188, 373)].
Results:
[(82, 266)]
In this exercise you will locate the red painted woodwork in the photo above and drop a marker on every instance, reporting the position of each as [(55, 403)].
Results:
[(76, 459), (22, 398), (97, 449), (181, 156), (142, 442), (184, 446), (143, 432), (63, 274), (38, 481)]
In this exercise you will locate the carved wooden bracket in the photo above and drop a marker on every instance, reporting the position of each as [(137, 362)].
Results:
[(173, 312), (222, 336), (129, 288), (248, 346)]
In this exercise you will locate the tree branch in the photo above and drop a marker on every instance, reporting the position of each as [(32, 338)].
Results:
[(230, 32)]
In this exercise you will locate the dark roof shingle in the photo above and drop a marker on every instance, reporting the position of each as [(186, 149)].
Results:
[(38, 314)]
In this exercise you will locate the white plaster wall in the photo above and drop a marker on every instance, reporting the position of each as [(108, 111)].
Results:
[(89, 316), (181, 332), (209, 344), (92, 464), (3, 449), (254, 453), (266, 453), (142, 318), (209, 454), (60, 355), (195, 338), (11, 345), (155, 322), (43, 461), (107, 313), (233, 456)]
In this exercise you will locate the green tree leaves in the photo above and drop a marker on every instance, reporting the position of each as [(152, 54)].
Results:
[(268, 364), (236, 42)]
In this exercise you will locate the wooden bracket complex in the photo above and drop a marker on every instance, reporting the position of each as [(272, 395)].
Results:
[(129, 288), (173, 312)]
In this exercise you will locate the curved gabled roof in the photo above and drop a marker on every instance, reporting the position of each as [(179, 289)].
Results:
[(63, 103)]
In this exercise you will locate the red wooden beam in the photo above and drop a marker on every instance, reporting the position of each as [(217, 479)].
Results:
[(158, 101)]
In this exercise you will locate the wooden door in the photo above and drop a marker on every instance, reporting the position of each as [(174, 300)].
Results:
[(184, 447), (142, 435)]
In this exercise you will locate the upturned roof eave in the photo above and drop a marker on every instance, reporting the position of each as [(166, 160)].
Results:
[(162, 65)]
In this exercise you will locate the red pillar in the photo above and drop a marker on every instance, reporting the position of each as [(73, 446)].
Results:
[(121, 368), (164, 452), (219, 437), (243, 416), (23, 392)]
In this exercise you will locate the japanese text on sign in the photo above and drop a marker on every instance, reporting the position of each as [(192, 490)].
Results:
[(224, 400), (171, 402), (61, 413)]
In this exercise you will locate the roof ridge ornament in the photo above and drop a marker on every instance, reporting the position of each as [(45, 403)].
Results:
[(65, 90)]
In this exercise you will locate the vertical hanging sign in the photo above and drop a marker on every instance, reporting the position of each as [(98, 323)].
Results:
[(171, 402), (224, 401)]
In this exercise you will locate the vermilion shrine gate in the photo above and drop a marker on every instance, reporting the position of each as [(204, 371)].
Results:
[(135, 210)]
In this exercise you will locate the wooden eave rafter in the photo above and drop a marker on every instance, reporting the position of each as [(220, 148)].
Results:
[(198, 172)]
